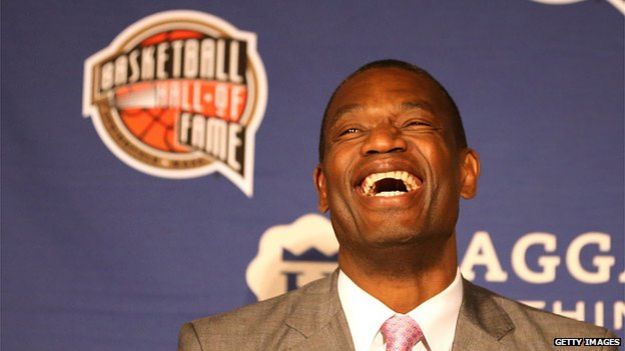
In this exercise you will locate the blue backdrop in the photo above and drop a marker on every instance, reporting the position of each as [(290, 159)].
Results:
[(97, 255)]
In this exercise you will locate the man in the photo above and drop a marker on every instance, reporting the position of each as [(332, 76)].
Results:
[(394, 163)]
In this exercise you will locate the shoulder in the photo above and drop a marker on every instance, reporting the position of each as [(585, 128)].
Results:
[(261, 323), (528, 324), (265, 313)]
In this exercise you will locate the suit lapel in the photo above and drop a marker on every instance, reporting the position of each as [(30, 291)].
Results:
[(481, 322), (334, 336), (319, 319)]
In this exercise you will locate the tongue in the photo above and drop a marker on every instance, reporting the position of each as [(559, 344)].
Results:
[(388, 185)]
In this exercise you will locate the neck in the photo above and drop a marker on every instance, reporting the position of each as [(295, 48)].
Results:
[(402, 277)]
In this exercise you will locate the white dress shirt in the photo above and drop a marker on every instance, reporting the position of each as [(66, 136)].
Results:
[(437, 316)]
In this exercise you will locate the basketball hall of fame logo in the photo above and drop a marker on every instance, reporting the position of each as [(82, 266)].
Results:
[(179, 94)]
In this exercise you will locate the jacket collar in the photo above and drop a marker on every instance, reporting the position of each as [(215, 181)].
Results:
[(482, 322), (319, 317)]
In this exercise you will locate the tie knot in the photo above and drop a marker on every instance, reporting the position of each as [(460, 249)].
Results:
[(401, 333)]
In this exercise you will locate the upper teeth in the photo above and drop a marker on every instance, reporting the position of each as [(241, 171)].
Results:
[(410, 181)]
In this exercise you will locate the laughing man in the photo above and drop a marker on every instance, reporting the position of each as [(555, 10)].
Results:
[(393, 165)]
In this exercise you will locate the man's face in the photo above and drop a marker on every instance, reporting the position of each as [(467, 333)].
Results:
[(392, 173)]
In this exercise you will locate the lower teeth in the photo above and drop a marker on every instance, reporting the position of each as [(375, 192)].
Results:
[(389, 193)]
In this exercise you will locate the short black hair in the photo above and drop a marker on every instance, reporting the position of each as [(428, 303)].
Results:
[(461, 139)]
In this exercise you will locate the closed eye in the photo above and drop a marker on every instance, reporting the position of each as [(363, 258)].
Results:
[(417, 124), (349, 131)]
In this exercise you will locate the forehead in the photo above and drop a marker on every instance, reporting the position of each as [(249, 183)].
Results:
[(381, 89)]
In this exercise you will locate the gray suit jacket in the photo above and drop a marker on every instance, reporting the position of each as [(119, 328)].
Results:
[(311, 318)]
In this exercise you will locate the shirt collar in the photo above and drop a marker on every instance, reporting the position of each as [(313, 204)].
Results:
[(437, 316)]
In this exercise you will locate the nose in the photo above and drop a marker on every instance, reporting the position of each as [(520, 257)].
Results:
[(383, 139)]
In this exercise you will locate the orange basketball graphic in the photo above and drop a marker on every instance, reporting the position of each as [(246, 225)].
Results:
[(153, 126)]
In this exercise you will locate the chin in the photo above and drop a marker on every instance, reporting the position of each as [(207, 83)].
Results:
[(394, 237)]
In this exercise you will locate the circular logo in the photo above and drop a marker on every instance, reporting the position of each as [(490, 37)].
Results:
[(179, 94)]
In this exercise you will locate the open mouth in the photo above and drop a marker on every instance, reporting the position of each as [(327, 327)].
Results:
[(389, 184)]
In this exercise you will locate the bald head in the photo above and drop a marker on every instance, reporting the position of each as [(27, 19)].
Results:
[(408, 68)]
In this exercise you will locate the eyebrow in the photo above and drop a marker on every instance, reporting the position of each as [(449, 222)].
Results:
[(342, 111), (408, 105)]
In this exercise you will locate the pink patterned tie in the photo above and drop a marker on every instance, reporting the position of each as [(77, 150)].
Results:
[(401, 333)]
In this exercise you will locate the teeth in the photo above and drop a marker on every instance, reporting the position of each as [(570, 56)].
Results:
[(409, 180), (389, 193)]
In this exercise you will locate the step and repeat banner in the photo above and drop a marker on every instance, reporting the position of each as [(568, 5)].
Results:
[(157, 157)]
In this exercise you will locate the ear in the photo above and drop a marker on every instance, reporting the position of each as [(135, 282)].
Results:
[(470, 172), (320, 183)]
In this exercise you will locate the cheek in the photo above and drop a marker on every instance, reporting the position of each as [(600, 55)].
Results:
[(444, 166), (334, 183), (437, 154), (338, 161)]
